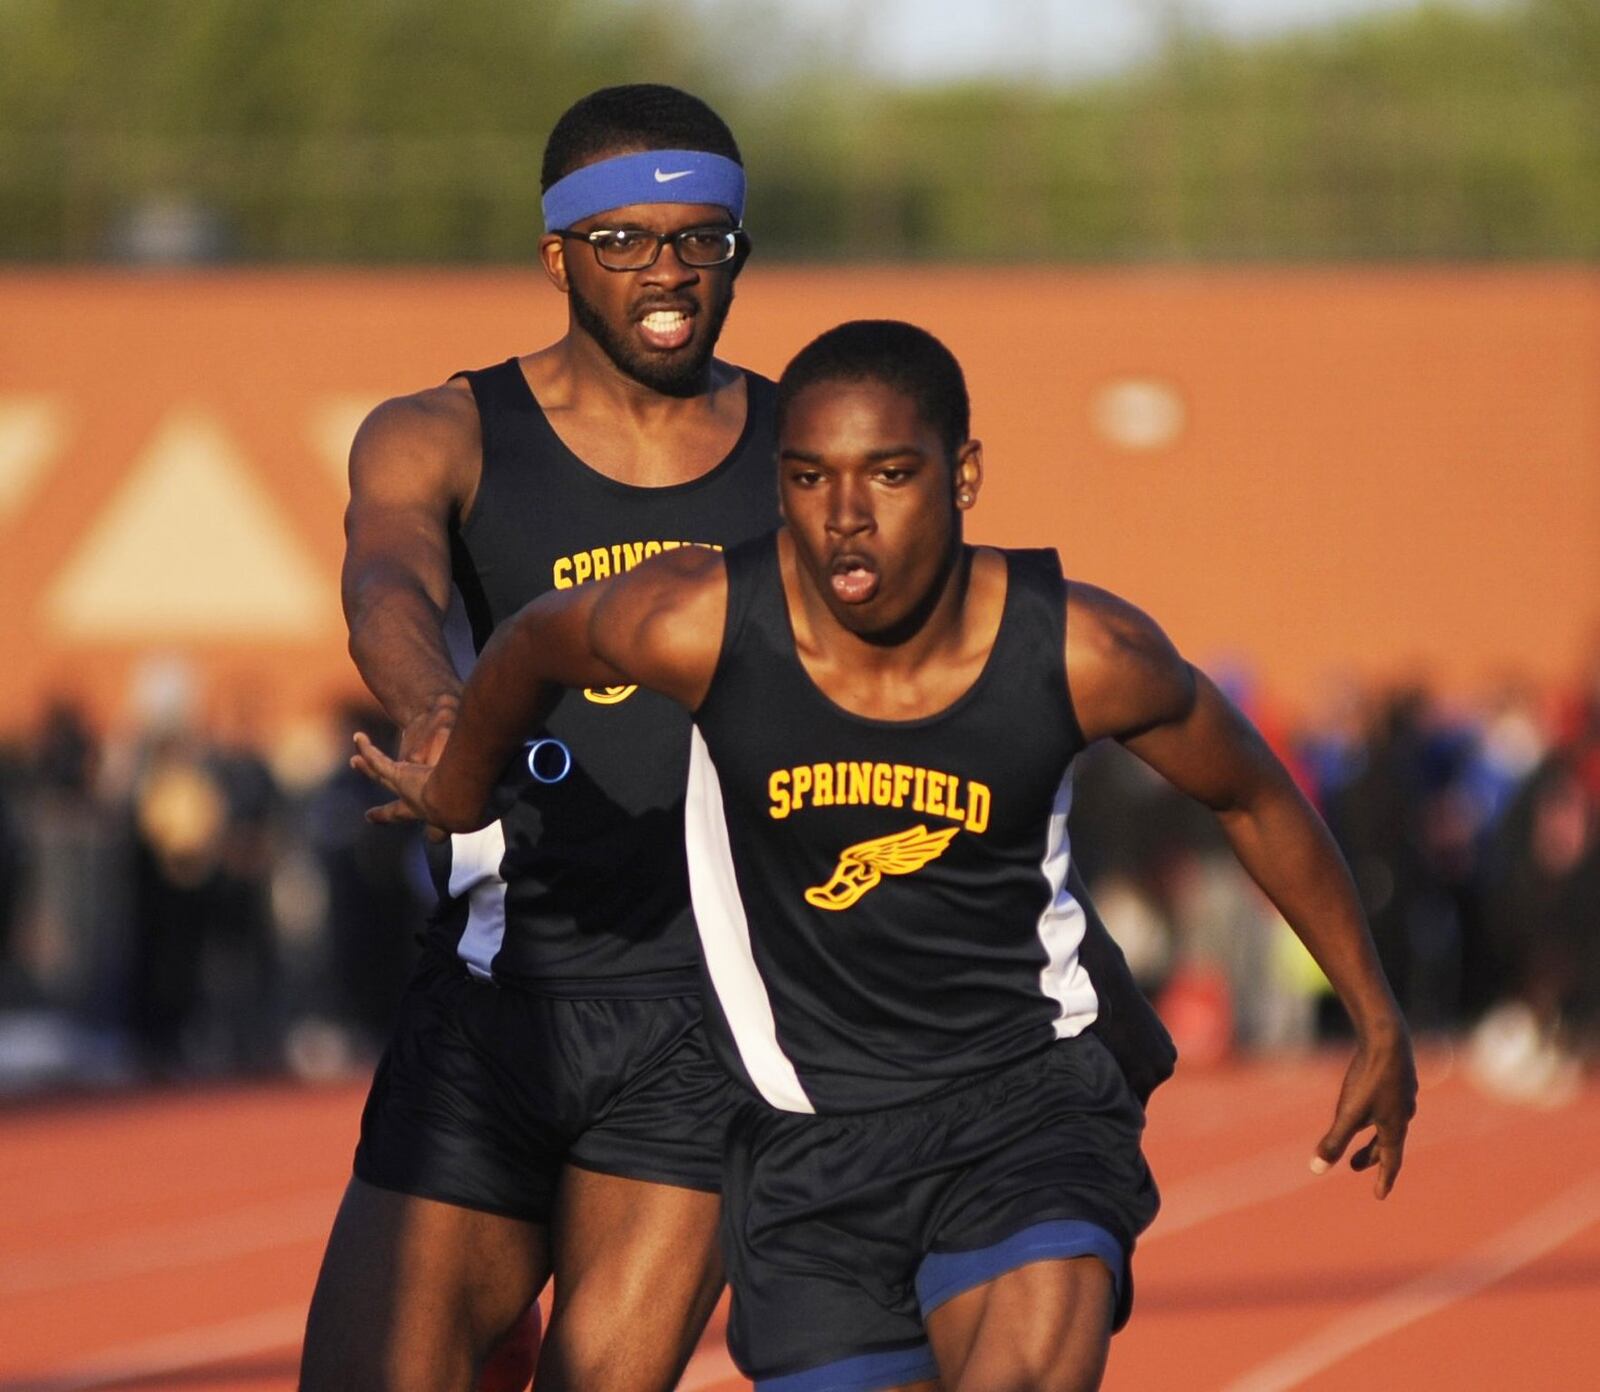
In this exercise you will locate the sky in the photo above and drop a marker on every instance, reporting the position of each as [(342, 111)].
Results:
[(934, 40)]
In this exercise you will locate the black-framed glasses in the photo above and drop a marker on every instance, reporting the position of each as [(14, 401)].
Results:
[(635, 249)]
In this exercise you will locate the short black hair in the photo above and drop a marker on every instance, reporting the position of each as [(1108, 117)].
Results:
[(639, 116), (899, 355)]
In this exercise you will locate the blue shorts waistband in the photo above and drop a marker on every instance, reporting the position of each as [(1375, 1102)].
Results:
[(866, 1372), (945, 1275)]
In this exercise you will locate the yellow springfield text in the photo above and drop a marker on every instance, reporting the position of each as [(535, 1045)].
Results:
[(853, 783), (602, 562)]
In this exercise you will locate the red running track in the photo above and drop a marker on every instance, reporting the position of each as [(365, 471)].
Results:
[(170, 1241)]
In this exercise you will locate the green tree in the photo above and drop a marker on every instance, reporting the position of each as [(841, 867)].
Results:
[(389, 130)]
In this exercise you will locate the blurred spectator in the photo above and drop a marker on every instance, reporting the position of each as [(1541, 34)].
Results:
[(76, 875), (1376, 818), (179, 824), (242, 967), (66, 754), (1544, 896), (15, 987), (375, 879)]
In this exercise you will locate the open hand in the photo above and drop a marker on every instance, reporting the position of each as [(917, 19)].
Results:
[(406, 779), (423, 739), (1380, 1090)]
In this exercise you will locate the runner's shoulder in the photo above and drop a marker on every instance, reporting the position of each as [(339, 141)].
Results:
[(1122, 668), (442, 416), (677, 587), (432, 435)]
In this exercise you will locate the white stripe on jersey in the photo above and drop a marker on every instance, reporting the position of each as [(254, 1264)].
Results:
[(1061, 928), (725, 937), (475, 858)]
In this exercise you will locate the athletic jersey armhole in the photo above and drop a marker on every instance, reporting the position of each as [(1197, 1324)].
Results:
[(761, 394), (1039, 571), (488, 387), (743, 565), (1066, 682), (497, 392)]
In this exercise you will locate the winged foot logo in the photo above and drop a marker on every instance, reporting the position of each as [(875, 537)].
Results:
[(862, 866)]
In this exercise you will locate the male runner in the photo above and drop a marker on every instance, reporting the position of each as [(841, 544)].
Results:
[(938, 1172), (548, 1102)]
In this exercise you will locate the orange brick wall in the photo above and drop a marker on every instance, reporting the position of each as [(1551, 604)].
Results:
[(1375, 470)]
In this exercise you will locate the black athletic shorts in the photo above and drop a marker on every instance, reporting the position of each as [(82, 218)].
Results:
[(486, 1091), (842, 1233)]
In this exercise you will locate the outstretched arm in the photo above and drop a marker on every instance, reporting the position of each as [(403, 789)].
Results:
[(1129, 683), (658, 626), (413, 467)]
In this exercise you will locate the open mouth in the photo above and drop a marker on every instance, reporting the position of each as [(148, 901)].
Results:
[(854, 578), (666, 328)]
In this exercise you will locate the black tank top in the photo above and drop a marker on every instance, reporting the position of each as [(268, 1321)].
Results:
[(883, 906), (581, 888)]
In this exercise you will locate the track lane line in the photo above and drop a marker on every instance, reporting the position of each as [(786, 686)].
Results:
[(1545, 1230), (282, 1327), (1267, 1175), (258, 1228)]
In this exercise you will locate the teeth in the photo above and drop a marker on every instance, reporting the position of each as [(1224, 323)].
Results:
[(663, 320)]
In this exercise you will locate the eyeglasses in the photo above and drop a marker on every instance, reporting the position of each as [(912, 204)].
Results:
[(634, 249)]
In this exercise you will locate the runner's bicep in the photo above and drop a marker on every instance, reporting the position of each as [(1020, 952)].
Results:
[(552, 640), (660, 626), (405, 473), (1210, 751)]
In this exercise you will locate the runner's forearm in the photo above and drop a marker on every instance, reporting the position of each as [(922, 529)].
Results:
[(519, 676), (501, 703), (397, 644)]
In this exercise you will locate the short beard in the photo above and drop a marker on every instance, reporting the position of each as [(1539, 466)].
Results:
[(671, 375)]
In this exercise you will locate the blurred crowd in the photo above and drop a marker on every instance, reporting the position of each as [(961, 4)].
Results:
[(1473, 836), (187, 905), (179, 905)]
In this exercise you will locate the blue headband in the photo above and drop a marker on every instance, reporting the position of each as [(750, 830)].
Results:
[(652, 176)]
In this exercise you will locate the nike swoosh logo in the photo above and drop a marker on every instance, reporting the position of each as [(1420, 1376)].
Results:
[(668, 178)]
